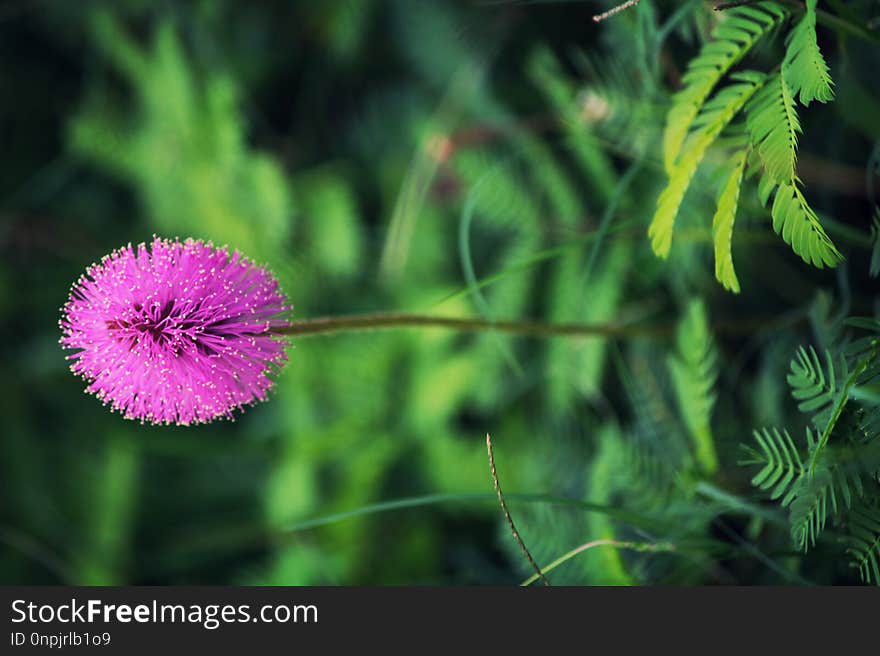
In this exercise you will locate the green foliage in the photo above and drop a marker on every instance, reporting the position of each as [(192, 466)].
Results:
[(606, 566), (329, 209), (834, 476), (417, 157), (799, 226), (734, 36), (783, 467), (694, 371), (774, 126), (722, 222), (809, 386), (773, 129), (713, 118), (804, 67), (864, 543), (186, 151), (809, 509)]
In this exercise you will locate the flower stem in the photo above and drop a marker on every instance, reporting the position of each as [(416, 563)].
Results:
[(389, 320)]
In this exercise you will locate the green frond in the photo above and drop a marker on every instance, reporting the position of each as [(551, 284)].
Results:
[(848, 474), (605, 567), (734, 36), (773, 123), (809, 509), (783, 466), (766, 186), (694, 370), (796, 222), (839, 413), (774, 126), (722, 222), (714, 117), (804, 67), (869, 425), (562, 93), (655, 421), (836, 476), (836, 485), (654, 476), (809, 386), (864, 543)]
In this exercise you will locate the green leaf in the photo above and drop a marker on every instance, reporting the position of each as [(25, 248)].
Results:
[(694, 370), (809, 510), (715, 116), (864, 543), (722, 222), (783, 466), (799, 227), (736, 34), (804, 67), (809, 385), (773, 123)]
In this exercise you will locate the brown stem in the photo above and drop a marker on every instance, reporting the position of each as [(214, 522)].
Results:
[(516, 535), (525, 328), (389, 320), (615, 10)]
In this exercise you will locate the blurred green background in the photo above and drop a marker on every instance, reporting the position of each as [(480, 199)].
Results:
[(445, 157)]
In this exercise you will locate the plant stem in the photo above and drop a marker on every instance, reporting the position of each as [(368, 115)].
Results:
[(598, 18), (389, 320), (526, 328), (635, 546), (516, 536)]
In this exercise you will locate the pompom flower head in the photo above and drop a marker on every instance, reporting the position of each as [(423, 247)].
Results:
[(179, 332)]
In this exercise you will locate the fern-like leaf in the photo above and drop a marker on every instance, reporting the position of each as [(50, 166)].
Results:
[(796, 222), (774, 126), (783, 466), (715, 116), (864, 543), (694, 371), (810, 387), (722, 222), (836, 484), (809, 509), (804, 67), (837, 475), (741, 28)]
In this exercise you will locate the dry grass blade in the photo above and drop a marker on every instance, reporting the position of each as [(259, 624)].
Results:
[(598, 18), (516, 535)]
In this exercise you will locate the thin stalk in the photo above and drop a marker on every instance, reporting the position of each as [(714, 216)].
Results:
[(390, 320), (636, 546), (526, 328), (516, 535), (598, 18)]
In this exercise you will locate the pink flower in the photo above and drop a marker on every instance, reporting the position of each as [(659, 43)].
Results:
[(178, 333)]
